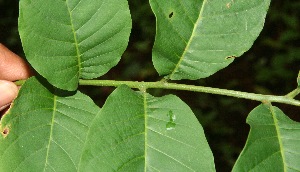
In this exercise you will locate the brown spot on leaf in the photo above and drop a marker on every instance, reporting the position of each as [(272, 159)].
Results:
[(230, 57), (5, 132)]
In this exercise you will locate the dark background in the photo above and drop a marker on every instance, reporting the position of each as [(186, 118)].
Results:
[(269, 67)]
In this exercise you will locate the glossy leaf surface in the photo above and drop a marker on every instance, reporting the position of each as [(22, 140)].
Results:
[(45, 132), (273, 143), (196, 38), (138, 132), (65, 40)]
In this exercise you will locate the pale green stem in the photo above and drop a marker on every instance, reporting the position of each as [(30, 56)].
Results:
[(288, 99), (294, 93), (174, 86)]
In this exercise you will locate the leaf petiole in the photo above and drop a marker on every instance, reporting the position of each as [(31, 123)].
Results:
[(288, 99)]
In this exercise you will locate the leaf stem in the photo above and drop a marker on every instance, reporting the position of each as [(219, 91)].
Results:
[(287, 99), (20, 82), (164, 85), (294, 93)]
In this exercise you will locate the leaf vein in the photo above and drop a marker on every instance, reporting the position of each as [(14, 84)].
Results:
[(171, 138), (173, 158)]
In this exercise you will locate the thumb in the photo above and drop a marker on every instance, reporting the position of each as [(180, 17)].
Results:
[(12, 67), (8, 91)]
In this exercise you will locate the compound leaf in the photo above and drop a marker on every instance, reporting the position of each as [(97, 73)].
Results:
[(43, 131), (273, 143), (196, 38), (138, 132), (65, 40)]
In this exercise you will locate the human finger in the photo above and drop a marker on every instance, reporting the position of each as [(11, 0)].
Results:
[(8, 91), (12, 67)]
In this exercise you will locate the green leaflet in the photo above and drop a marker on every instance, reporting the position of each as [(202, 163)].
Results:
[(196, 38), (135, 131), (65, 40), (44, 132), (273, 143)]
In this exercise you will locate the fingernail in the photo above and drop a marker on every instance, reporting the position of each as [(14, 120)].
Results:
[(4, 107), (8, 91)]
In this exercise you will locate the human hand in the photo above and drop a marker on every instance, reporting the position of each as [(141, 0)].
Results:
[(12, 68)]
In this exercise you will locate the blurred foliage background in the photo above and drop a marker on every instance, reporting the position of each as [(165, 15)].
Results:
[(269, 67)]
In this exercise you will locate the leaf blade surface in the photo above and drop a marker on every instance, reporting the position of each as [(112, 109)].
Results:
[(45, 132), (273, 142), (138, 132), (72, 39), (195, 39)]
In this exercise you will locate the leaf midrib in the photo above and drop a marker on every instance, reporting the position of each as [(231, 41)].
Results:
[(75, 40), (51, 131), (278, 136), (190, 40), (145, 129)]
